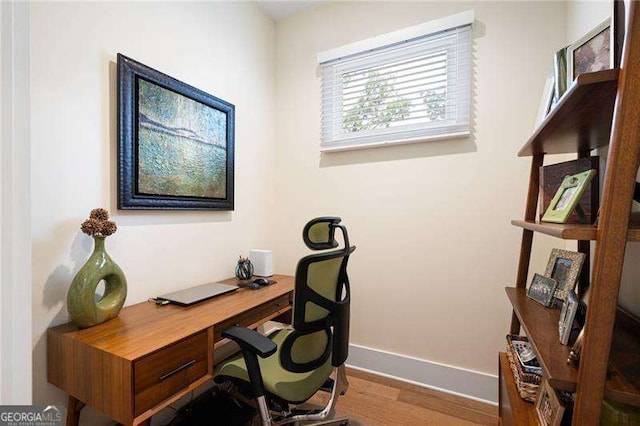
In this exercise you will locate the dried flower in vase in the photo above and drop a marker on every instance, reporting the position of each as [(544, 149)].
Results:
[(91, 227), (99, 223), (109, 227), (99, 214)]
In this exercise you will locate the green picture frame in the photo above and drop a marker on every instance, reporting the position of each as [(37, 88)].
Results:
[(567, 197)]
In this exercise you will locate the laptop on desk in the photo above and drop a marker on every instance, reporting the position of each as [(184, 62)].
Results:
[(192, 295)]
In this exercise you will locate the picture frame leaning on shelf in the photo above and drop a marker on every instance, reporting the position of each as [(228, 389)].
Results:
[(545, 101), (564, 266), (592, 52), (567, 197), (567, 316), (542, 289), (549, 409)]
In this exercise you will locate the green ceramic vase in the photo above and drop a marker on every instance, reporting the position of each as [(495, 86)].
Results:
[(83, 307)]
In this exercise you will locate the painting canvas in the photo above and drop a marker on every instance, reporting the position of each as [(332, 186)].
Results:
[(181, 145), (176, 143)]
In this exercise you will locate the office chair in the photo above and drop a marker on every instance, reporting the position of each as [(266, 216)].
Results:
[(294, 363)]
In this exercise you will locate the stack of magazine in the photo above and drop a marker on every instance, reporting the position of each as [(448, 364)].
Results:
[(526, 357)]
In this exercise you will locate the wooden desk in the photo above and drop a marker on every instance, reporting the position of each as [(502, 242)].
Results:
[(148, 357)]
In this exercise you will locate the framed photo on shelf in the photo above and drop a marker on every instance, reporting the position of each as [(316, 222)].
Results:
[(560, 73), (542, 289), (551, 177), (549, 409), (175, 143), (592, 52), (564, 266), (567, 316), (567, 197), (545, 101), (618, 30)]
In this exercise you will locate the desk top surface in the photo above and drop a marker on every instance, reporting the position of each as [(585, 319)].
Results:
[(144, 327)]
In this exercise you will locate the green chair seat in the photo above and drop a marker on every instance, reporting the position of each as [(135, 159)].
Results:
[(292, 387)]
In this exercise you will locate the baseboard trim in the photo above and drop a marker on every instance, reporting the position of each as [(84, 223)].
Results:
[(474, 385)]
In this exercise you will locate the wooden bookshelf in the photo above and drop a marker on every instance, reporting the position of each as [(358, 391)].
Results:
[(570, 231), (541, 327), (586, 109), (600, 109), (623, 378), (515, 411)]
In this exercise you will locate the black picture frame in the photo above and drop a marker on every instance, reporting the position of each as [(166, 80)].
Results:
[(129, 197), (542, 289)]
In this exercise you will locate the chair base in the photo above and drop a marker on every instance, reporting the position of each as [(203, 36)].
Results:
[(333, 422), (340, 386), (339, 421), (312, 418)]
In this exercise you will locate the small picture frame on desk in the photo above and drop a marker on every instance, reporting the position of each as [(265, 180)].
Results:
[(542, 289), (549, 409), (564, 266)]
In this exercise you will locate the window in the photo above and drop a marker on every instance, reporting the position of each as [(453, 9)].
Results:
[(406, 86)]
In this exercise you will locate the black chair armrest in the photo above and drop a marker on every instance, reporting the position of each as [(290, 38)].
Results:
[(250, 340)]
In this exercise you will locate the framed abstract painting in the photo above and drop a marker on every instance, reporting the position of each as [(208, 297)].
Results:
[(175, 143)]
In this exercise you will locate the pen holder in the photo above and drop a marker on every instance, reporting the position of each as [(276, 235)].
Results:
[(244, 268)]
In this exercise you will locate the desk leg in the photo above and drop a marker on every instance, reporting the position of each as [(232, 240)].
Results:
[(74, 407)]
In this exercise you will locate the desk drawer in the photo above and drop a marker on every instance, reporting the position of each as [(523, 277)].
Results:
[(162, 374), (252, 316)]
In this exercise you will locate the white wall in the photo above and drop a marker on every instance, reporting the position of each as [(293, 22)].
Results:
[(15, 242), (431, 220), (3, 77), (582, 16), (226, 49)]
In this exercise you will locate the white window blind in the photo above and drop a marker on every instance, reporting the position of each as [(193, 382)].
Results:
[(401, 91)]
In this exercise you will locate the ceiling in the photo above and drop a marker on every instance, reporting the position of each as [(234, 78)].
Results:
[(282, 9)]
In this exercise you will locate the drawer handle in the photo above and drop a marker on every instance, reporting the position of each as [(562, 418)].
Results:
[(177, 370)]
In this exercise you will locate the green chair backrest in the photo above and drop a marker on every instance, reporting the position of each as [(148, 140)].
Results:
[(321, 301)]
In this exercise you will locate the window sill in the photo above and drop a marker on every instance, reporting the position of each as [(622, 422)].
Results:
[(351, 147)]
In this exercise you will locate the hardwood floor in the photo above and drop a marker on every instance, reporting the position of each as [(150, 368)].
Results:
[(378, 401)]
